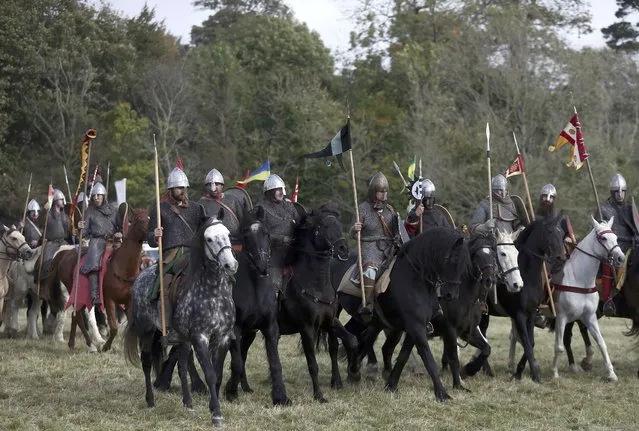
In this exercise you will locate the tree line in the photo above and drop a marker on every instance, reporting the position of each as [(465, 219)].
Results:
[(422, 78)]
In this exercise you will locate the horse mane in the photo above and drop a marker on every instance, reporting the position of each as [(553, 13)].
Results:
[(525, 234), (431, 247), (329, 208), (479, 241)]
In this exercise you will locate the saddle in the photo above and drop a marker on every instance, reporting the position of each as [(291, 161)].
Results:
[(381, 284)]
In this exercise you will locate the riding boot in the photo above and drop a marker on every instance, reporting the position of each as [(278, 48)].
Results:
[(609, 308), (94, 288), (540, 319), (171, 338), (366, 310)]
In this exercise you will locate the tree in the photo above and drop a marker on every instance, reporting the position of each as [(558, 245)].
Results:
[(622, 35)]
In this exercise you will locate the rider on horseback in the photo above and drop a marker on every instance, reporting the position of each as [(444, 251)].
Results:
[(32, 233), (180, 218), (425, 212), (378, 226), (58, 231), (627, 233), (215, 198), (280, 218), (101, 224), (546, 209), (504, 209)]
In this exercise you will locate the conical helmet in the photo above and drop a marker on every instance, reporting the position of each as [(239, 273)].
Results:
[(98, 189), (33, 205), (214, 176), (378, 183), (274, 182), (548, 190), (177, 178), (59, 196), (428, 188), (618, 182)]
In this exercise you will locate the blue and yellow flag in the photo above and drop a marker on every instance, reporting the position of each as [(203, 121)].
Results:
[(260, 174), (411, 169)]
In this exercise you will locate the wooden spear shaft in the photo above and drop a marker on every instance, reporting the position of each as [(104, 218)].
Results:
[(159, 240), (26, 204), (359, 233)]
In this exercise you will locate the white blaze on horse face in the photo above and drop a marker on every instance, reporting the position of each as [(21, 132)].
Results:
[(218, 245), (507, 256), (608, 246)]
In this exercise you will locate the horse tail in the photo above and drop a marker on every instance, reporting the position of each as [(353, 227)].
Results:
[(633, 331), (130, 343), (53, 285)]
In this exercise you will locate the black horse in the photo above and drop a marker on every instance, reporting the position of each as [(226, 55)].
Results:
[(460, 316), (204, 314), (429, 266), (541, 241), (309, 302), (627, 306)]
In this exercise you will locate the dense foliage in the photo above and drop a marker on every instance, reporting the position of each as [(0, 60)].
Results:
[(423, 77)]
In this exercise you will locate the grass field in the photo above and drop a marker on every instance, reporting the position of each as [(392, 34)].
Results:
[(44, 387)]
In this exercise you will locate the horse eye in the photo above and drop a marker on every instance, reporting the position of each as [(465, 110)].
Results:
[(604, 239), (209, 240), (502, 253)]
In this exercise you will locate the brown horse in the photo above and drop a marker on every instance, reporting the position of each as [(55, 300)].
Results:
[(120, 273)]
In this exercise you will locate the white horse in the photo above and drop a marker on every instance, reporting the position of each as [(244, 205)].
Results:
[(12, 247), (21, 284), (576, 297)]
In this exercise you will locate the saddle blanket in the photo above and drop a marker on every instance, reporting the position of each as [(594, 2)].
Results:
[(84, 293), (381, 284)]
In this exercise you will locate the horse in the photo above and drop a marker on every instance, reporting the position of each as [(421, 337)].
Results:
[(626, 304), (21, 286), (255, 309), (576, 297), (308, 304), (122, 269), (541, 241), (12, 247), (204, 314), (429, 266), (461, 316)]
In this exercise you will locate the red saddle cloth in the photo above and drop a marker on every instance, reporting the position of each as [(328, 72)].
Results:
[(84, 293)]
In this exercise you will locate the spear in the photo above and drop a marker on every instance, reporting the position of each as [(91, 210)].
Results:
[(159, 225), (50, 194), (66, 179), (26, 203), (106, 186), (399, 171), (490, 191)]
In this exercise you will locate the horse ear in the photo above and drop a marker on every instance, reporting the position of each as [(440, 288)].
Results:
[(4, 228), (517, 232), (259, 213), (220, 214), (610, 222), (13, 227), (595, 223)]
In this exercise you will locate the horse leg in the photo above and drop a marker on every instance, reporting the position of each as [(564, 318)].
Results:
[(483, 328), (568, 346), (112, 320), (197, 385), (92, 328), (560, 326), (230, 390), (247, 340), (350, 343), (271, 341), (586, 363), (402, 359), (477, 339), (74, 328), (308, 344), (333, 347), (592, 324), (512, 348), (206, 362), (83, 328), (525, 330), (183, 372), (163, 379), (450, 350), (147, 364), (393, 337), (32, 318), (421, 343), (11, 318)]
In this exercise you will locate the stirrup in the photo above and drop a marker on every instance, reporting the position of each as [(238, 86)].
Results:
[(609, 308), (365, 313), (171, 338), (430, 330)]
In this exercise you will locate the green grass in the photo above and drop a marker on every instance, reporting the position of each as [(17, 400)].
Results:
[(43, 386)]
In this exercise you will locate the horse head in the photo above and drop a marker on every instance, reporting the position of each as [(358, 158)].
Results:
[(15, 246), (606, 247), (544, 238), (257, 241), (327, 232), (484, 260), (507, 257), (138, 224), (217, 244)]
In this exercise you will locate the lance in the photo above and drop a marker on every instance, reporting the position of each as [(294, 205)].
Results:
[(490, 191), (44, 234), (106, 186), (66, 179), (544, 271), (84, 207), (26, 204), (400, 173), (592, 180), (159, 240)]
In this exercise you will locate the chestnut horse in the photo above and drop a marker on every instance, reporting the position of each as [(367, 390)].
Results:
[(121, 271)]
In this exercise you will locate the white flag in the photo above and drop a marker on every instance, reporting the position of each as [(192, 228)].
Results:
[(120, 190)]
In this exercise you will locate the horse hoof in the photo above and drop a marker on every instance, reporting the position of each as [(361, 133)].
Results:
[(93, 349), (217, 421), (247, 389), (284, 402), (231, 396), (162, 386), (442, 396), (391, 389), (574, 369), (462, 388), (320, 398), (337, 384), (371, 368), (586, 365), (188, 408), (354, 377), (612, 378), (516, 376), (12, 333)]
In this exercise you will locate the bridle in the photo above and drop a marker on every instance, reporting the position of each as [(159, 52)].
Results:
[(330, 251), (485, 268), (504, 272), (216, 256), (10, 250), (599, 236), (252, 258)]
